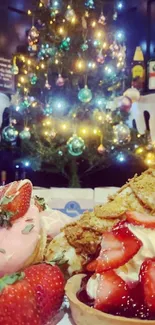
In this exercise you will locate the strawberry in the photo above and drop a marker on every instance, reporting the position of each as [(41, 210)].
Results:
[(48, 283), (147, 280), (15, 200), (112, 292), (140, 219), (17, 301), (117, 248), (91, 267)]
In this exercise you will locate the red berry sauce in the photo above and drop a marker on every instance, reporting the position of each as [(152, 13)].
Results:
[(134, 308)]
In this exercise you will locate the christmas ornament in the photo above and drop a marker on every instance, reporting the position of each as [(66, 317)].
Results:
[(70, 14), (25, 134), (33, 48), (9, 134), (55, 4), (33, 35), (75, 145), (84, 46), (90, 4), (60, 81), (99, 116), (115, 15), (47, 85), (102, 19), (48, 110), (33, 78), (65, 44), (122, 133), (60, 153), (125, 104), (133, 94), (101, 149), (25, 104), (47, 51), (100, 58), (15, 69), (97, 43), (85, 95), (52, 134)]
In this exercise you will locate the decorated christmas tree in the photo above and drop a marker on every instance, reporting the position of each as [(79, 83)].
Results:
[(67, 118)]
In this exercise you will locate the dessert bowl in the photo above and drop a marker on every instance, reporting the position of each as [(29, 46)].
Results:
[(84, 315)]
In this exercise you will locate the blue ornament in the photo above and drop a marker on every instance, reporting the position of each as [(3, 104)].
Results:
[(33, 79), (9, 134), (48, 110), (25, 134), (85, 95), (100, 101), (55, 4), (84, 47), (65, 44), (90, 4), (75, 145)]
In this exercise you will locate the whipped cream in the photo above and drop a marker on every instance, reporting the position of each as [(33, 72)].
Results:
[(130, 271)]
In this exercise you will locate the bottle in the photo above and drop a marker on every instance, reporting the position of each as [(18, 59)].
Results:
[(138, 70)]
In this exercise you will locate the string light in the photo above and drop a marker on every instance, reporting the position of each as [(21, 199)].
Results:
[(29, 62), (93, 24), (120, 157), (120, 5), (40, 5), (29, 12), (42, 66), (64, 126), (80, 64), (56, 61)]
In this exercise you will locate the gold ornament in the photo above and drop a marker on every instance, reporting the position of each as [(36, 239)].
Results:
[(101, 149), (133, 94)]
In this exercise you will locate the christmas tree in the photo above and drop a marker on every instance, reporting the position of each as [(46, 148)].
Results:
[(74, 67)]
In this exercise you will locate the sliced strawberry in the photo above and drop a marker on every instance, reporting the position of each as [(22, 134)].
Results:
[(147, 278), (15, 199), (91, 267), (112, 292), (117, 248), (140, 219)]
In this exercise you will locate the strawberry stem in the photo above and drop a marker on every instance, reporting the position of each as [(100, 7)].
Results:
[(10, 279)]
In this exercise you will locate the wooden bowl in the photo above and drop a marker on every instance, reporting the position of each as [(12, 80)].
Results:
[(84, 315)]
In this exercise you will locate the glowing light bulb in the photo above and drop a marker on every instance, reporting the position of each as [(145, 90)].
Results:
[(139, 150), (17, 166), (61, 30), (120, 36), (120, 157), (84, 131), (56, 61), (64, 126), (29, 62), (95, 131), (93, 23), (29, 12), (42, 66), (120, 5), (40, 5), (27, 163), (22, 79)]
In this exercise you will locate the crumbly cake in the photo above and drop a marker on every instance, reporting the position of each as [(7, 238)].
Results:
[(84, 235)]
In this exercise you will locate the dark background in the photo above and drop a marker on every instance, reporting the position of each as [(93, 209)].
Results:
[(14, 23)]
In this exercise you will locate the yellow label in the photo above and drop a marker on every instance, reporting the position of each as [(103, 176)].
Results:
[(138, 71)]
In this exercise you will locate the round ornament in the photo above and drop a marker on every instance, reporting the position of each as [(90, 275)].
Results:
[(15, 69), (60, 153), (65, 44), (102, 19), (70, 14), (122, 133), (55, 4), (25, 134), (85, 95), (101, 149), (60, 81), (133, 94), (75, 145), (48, 110), (25, 104), (47, 85), (33, 35), (9, 134), (33, 79), (84, 46), (125, 104), (100, 58), (90, 4)]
